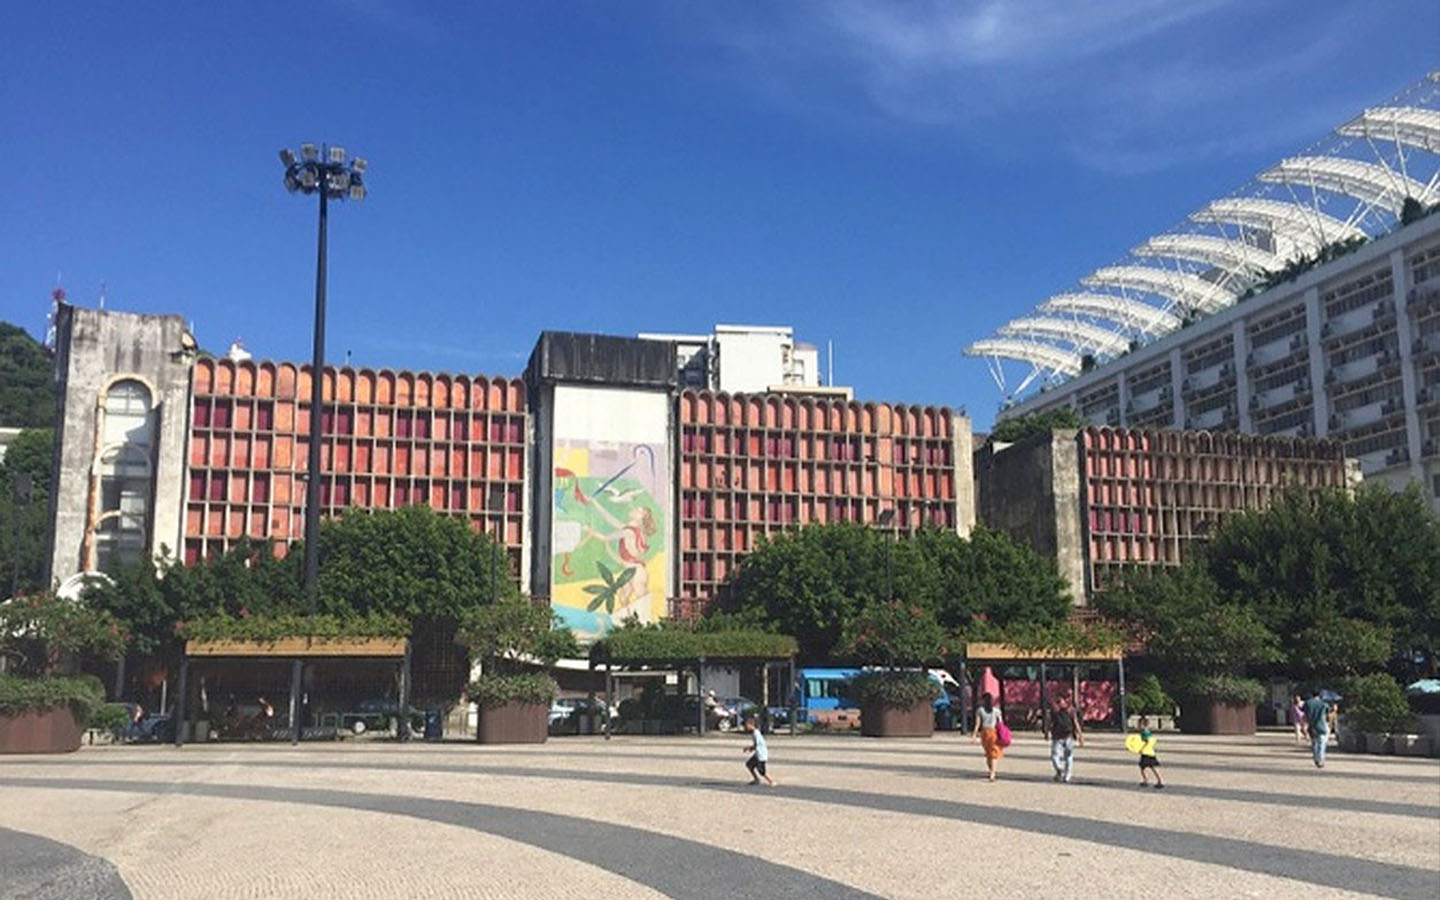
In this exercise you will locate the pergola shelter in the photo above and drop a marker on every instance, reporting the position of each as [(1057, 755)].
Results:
[(297, 651), (692, 653), (980, 654)]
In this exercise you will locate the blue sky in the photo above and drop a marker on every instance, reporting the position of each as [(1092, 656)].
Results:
[(899, 177)]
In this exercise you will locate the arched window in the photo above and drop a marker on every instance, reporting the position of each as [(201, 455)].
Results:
[(126, 472)]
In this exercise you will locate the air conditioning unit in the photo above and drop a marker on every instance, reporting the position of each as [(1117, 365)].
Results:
[(1397, 456), (1306, 429), (1303, 384), (1297, 342), (1431, 448), (1335, 422), (1255, 401), (1327, 329), (1389, 406), (1418, 346), (1250, 359)]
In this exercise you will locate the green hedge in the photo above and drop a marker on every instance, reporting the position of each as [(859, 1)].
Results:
[(273, 628), (528, 687), (1375, 703), (18, 695), (894, 690), (1231, 690), (677, 643)]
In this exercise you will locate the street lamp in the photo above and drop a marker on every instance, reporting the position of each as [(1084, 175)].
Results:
[(326, 171)]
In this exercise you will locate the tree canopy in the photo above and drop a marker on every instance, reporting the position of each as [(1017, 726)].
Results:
[(1042, 422), (813, 582), (28, 455), (1314, 586), (27, 386)]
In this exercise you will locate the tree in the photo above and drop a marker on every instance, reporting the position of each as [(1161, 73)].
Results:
[(812, 582), (1043, 422), (1201, 644), (28, 456), (412, 562), (27, 385), (1336, 575)]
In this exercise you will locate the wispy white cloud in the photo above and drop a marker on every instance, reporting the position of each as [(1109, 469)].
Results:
[(1123, 85)]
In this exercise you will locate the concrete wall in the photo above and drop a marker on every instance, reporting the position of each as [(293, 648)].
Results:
[(964, 456), (1031, 491), (95, 349)]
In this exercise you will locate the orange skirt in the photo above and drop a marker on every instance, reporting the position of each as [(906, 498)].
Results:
[(991, 743)]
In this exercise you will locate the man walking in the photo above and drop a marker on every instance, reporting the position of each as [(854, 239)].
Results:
[(1064, 733), (1317, 717)]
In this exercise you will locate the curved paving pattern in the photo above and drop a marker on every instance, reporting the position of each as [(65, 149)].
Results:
[(644, 817), (36, 868)]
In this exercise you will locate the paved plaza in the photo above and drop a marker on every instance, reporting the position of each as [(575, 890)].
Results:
[(642, 817)]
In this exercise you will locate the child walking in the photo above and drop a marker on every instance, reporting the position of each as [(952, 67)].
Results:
[(1149, 762), (759, 754)]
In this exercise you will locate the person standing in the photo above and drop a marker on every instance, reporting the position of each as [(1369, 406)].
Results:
[(1297, 718), (1149, 761), (1064, 734), (987, 724), (1317, 717)]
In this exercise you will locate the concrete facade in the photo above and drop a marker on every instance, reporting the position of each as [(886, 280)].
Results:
[(123, 385), (1031, 491), (1103, 500), (1348, 350)]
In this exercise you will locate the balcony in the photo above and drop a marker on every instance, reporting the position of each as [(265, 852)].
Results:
[(1360, 368)]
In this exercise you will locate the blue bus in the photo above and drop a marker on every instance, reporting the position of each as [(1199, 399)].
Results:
[(822, 695)]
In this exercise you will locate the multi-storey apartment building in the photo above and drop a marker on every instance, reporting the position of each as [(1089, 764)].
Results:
[(595, 461), (1102, 500), (1307, 303), (751, 465), (1350, 350)]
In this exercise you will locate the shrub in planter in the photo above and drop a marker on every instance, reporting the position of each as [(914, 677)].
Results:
[(44, 705), (1376, 706), (1219, 704), (516, 643), (1148, 698), (899, 639)]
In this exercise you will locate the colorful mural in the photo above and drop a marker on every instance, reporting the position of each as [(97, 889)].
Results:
[(610, 556)]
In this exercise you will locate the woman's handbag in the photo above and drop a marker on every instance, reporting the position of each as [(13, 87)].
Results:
[(1002, 733)]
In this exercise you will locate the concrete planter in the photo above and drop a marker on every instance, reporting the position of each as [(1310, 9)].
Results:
[(1377, 742), (1213, 717), (514, 723), (1410, 744), (1351, 742), (53, 730), (882, 721)]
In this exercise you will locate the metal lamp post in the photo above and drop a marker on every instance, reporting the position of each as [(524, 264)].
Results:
[(329, 172)]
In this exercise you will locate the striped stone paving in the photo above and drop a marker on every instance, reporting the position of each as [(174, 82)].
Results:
[(672, 817)]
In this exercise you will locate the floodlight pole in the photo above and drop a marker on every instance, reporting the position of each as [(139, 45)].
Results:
[(312, 173)]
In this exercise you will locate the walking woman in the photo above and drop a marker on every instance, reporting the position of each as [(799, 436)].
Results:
[(987, 723)]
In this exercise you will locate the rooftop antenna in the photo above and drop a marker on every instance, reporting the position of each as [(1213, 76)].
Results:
[(102, 295), (57, 297), (830, 363)]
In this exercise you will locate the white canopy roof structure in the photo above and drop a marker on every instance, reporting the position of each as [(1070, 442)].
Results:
[(1409, 125), (1351, 185), (1190, 291), (1231, 255), (1304, 226), (1131, 314), (1062, 362), (1373, 183), (1086, 337)]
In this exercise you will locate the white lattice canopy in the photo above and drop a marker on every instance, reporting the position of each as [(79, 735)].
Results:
[(1189, 291), (1131, 315), (1369, 182), (1048, 356), (1085, 337), (1234, 256), (1412, 126)]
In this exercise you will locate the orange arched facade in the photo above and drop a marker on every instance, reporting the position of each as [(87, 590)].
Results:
[(1147, 494), (453, 442), (755, 465)]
